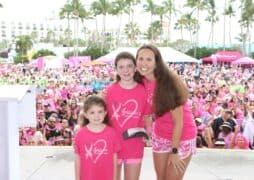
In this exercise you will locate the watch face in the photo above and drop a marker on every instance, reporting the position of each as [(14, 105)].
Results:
[(174, 150)]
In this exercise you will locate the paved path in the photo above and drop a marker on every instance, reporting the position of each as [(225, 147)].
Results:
[(56, 163)]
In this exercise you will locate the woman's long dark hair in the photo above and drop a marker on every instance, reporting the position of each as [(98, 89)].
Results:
[(170, 91), (126, 55), (91, 101)]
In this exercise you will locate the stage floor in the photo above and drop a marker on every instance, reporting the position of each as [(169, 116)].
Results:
[(56, 163)]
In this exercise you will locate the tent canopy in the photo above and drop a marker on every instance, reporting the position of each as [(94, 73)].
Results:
[(243, 61), (168, 55), (48, 62), (223, 56)]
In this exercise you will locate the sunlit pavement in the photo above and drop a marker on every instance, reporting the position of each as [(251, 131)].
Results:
[(56, 163)]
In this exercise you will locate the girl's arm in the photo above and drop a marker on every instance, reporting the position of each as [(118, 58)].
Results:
[(148, 120), (115, 166), (77, 167)]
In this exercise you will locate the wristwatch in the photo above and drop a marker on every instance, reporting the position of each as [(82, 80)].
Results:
[(174, 150)]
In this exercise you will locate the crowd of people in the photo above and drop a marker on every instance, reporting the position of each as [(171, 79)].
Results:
[(174, 108), (221, 98)]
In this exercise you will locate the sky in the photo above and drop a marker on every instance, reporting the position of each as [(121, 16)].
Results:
[(37, 11)]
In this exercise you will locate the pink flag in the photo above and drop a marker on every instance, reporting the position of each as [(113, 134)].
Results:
[(40, 63)]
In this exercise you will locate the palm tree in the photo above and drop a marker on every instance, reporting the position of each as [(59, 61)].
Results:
[(150, 7), (180, 24), (169, 6), (23, 44), (230, 12), (50, 37), (212, 18), (132, 31), (101, 7), (247, 18), (154, 31), (224, 24), (160, 11), (67, 33), (118, 9), (74, 10), (65, 13), (79, 12), (197, 6), (34, 36), (130, 7), (190, 24)]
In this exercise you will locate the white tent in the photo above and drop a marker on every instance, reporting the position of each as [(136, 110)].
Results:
[(168, 54), (53, 62), (171, 55), (110, 57), (49, 62)]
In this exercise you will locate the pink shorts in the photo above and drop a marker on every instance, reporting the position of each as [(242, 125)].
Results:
[(129, 161), (162, 145)]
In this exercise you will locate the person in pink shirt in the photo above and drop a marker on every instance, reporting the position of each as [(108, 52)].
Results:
[(96, 144), (126, 103), (226, 134), (174, 130)]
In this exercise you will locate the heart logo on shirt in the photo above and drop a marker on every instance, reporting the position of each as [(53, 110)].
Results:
[(126, 111), (96, 150)]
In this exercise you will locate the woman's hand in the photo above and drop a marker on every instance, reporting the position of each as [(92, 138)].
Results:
[(175, 161)]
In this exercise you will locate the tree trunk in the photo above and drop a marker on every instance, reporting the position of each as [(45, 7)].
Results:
[(229, 31), (169, 26), (69, 34), (119, 31), (224, 24), (103, 33), (77, 41), (250, 42), (197, 34)]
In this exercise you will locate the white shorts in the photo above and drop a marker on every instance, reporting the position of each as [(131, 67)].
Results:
[(162, 145)]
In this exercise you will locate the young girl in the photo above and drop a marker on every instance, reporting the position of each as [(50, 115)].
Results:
[(95, 144), (126, 102), (174, 131), (226, 134)]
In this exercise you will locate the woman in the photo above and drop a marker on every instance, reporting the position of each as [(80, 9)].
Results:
[(174, 130)]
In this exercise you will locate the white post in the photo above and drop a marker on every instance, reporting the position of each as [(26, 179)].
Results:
[(17, 106)]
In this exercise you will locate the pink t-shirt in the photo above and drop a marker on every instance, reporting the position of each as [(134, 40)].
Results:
[(96, 151), (163, 125), (150, 88), (227, 138), (126, 108)]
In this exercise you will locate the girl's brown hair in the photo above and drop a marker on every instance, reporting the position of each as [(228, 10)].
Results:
[(127, 55), (170, 91), (97, 101)]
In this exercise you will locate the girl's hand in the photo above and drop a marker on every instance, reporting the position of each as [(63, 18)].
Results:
[(147, 142), (175, 161)]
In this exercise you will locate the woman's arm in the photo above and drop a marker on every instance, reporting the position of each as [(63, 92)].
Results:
[(77, 167), (174, 158), (177, 117)]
